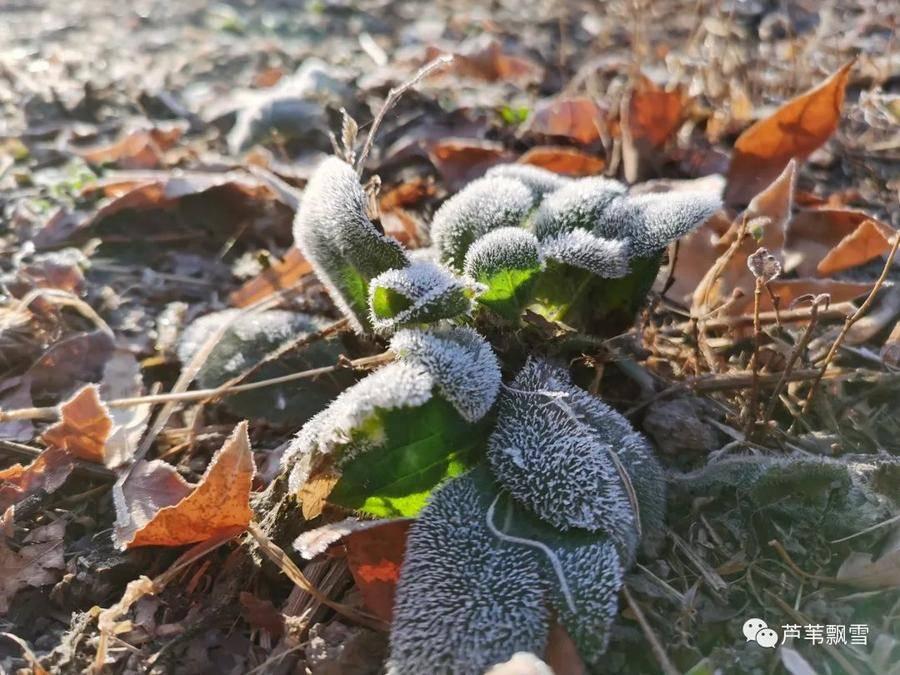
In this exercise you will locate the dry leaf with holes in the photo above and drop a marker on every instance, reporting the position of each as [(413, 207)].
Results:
[(794, 131), (37, 563), (156, 506), (567, 161), (579, 119)]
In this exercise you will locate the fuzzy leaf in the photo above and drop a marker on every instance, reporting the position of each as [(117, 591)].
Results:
[(507, 262), (424, 292), (483, 205), (540, 181), (343, 246), (555, 449), (466, 599), (247, 342)]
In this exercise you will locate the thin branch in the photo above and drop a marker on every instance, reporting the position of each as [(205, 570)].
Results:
[(665, 663), (848, 324), (392, 98)]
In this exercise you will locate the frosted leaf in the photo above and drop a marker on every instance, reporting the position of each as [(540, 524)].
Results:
[(423, 292), (343, 246), (507, 248), (248, 341), (342, 425), (653, 221), (461, 363), (552, 449), (607, 258), (595, 575), (648, 221), (484, 205), (576, 205), (466, 600), (540, 181)]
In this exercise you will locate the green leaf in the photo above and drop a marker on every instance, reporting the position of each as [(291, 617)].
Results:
[(591, 304), (508, 291), (387, 303), (423, 446)]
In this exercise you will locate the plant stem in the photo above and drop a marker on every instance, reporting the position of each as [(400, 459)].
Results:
[(754, 360)]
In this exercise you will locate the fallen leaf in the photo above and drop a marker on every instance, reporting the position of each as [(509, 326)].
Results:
[(314, 493), (46, 473), (795, 130), (278, 276), (15, 393), (567, 161), (405, 227), (862, 570), (315, 542), (650, 117), (410, 193), (374, 556), (766, 217), (788, 290), (579, 119), (261, 614), (84, 426), (461, 160), (136, 149), (156, 506), (823, 241), (37, 563), (490, 63), (562, 654), (890, 352), (77, 359)]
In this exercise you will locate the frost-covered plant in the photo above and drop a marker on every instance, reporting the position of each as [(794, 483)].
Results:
[(533, 497)]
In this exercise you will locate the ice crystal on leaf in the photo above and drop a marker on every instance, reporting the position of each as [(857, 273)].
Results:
[(540, 181), (508, 248), (555, 448), (607, 258), (484, 205), (423, 292), (466, 600), (462, 364), (343, 246), (648, 222)]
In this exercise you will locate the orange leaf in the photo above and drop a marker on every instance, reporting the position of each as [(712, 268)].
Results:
[(568, 161), (790, 289), (650, 117), (579, 119), (261, 614), (84, 426), (374, 556), (460, 160), (277, 277), (138, 149), (489, 63), (47, 472), (156, 506), (795, 130)]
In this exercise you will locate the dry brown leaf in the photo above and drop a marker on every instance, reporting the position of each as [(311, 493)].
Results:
[(374, 556), (766, 216), (38, 563), (860, 570), (79, 358), (83, 427), (650, 117), (489, 63), (278, 276), (890, 352), (461, 160), (46, 473), (579, 119), (795, 130), (405, 227), (788, 290), (314, 493), (136, 149), (562, 654), (823, 241), (261, 614), (410, 193), (567, 161), (156, 506)]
